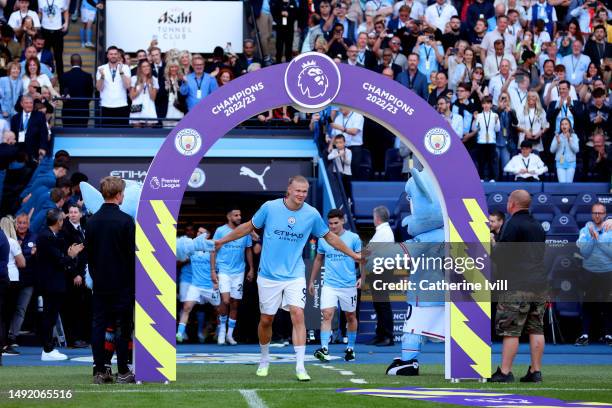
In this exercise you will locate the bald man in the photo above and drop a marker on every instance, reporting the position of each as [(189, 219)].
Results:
[(522, 307)]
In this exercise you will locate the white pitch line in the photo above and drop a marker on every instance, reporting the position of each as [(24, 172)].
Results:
[(344, 372), (358, 381), (252, 399)]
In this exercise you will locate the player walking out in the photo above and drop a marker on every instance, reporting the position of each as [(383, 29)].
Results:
[(230, 263), (288, 223), (340, 284)]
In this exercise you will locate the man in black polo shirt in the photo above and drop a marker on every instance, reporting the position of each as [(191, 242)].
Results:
[(522, 308)]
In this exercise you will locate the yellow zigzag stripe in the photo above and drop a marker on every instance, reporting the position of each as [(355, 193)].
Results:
[(156, 345), (167, 223), (472, 345), (481, 297), (479, 223), (163, 282)]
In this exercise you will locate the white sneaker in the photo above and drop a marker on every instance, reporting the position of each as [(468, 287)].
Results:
[(221, 338), (230, 340), (90, 45), (53, 355)]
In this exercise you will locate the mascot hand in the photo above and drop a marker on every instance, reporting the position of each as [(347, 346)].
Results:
[(202, 244), (184, 248)]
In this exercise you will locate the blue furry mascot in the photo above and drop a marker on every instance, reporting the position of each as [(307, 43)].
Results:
[(425, 314)]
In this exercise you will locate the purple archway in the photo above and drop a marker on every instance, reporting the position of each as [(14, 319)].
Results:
[(308, 82)]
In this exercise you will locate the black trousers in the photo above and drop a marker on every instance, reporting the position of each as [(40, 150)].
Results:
[(597, 288), (115, 117), (55, 39), (486, 156), (356, 161), (284, 43), (52, 303), (77, 314), (384, 320), (4, 281), (117, 308)]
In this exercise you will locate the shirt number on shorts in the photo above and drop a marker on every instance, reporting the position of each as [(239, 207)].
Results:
[(304, 295), (353, 300)]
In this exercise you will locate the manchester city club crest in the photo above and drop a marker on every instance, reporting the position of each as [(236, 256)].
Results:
[(437, 141), (291, 222), (188, 142), (312, 80)]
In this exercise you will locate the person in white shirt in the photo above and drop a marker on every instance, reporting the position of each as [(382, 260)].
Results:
[(488, 42), (17, 16), (526, 166), (532, 122), (440, 13), (341, 158), (54, 21), (576, 64), (551, 89), (454, 120), (350, 124), (417, 10), (493, 61), (518, 93), (548, 52), (487, 125), (16, 258), (112, 81), (501, 81), (143, 91), (384, 314)]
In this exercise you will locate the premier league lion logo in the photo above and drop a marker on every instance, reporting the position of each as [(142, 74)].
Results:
[(312, 80)]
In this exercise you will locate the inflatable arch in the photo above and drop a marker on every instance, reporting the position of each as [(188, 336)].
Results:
[(308, 82)]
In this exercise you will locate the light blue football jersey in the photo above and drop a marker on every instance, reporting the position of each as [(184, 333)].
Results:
[(285, 234), (340, 269), (230, 258), (200, 264), (186, 273)]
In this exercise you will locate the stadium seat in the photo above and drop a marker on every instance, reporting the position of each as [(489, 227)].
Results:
[(581, 210), (496, 201), (365, 167), (542, 207), (508, 187), (563, 224), (564, 194), (393, 165), (370, 194)]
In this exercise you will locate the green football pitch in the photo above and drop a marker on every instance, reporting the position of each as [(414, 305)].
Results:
[(234, 385)]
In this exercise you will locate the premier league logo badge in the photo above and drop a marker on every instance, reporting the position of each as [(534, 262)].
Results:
[(312, 80)]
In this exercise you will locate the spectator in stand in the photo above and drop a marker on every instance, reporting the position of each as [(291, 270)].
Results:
[(55, 199), (4, 282), (264, 21), (7, 41), (518, 88), (439, 14), (598, 160), (158, 67), (594, 243), (454, 120), (543, 11), (143, 93), (141, 55), (341, 158), (337, 44), (463, 66), (340, 11), (551, 90), (387, 63), (224, 76), (564, 107), (576, 64), (599, 113), (565, 147), (112, 81), (479, 9), (54, 22), (430, 53), (393, 45), (487, 125), (76, 84), (177, 105), (413, 79), (32, 52), (549, 52), (198, 84), (488, 42), (11, 89), (526, 166), (465, 108), (16, 260), (185, 62), (27, 33), (350, 125), (27, 242), (77, 317), (31, 128), (493, 61), (496, 222), (32, 73), (416, 8), (477, 36), (441, 89), (17, 17), (248, 55), (506, 137), (453, 34), (314, 31), (89, 9), (284, 14), (532, 122)]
